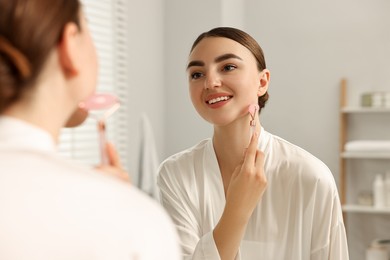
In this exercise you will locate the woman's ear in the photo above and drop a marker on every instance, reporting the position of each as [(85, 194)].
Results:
[(264, 82), (67, 50)]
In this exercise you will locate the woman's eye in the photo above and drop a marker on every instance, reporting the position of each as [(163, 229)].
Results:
[(196, 75), (229, 67)]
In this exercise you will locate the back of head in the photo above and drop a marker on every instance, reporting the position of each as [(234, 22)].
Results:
[(244, 39), (29, 29)]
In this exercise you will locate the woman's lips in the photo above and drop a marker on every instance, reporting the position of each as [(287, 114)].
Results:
[(217, 100)]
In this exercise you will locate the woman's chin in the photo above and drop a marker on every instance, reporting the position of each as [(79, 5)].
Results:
[(77, 118)]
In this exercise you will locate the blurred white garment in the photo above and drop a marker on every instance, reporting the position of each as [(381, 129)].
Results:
[(52, 208), (148, 159)]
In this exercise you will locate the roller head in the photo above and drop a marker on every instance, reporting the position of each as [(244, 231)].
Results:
[(99, 101), (253, 108)]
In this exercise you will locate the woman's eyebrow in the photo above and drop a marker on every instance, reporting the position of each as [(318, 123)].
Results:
[(217, 59), (226, 56), (195, 63)]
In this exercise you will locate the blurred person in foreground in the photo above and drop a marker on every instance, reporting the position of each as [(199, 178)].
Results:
[(51, 207)]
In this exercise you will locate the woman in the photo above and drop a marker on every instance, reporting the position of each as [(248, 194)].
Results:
[(230, 200), (52, 208)]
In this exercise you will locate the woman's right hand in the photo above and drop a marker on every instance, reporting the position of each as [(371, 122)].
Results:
[(247, 183)]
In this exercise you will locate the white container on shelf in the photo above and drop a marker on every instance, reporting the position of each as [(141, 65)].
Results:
[(378, 250), (386, 99), (377, 99), (377, 253), (379, 191)]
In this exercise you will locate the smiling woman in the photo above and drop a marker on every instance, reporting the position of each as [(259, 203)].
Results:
[(230, 200)]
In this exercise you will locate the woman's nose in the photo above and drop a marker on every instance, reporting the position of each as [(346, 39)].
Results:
[(212, 81)]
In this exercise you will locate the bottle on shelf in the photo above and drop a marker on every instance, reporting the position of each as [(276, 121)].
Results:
[(387, 189), (379, 191), (378, 250)]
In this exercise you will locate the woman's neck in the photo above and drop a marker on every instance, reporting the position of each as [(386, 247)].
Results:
[(231, 141), (43, 109)]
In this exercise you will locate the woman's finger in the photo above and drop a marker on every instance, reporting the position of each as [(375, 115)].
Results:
[(113, 156), (259, 162), (250, 154)]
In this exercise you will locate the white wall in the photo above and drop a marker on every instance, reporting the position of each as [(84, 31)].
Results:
[(146, 74)]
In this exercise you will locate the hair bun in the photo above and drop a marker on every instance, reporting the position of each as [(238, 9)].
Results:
[(18, 59)]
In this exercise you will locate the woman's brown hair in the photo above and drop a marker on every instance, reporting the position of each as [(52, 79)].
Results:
[(29, 29), (244, 39)]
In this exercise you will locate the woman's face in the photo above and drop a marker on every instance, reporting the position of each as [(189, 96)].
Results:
[(223, 80)]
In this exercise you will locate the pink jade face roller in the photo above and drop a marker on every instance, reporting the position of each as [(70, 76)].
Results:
[(97, 103), (253, 108)]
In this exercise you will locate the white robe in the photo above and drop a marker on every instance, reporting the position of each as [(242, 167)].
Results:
[(299, 216), (52, 208)]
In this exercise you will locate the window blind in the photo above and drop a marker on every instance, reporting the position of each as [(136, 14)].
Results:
[(107, 23)]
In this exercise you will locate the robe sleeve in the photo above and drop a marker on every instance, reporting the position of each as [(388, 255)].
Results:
[(184, 212), (333, 234), (338, 247)]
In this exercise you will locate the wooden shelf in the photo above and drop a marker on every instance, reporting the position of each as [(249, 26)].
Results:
[(345, 112), (351, 208), (350, 110), (365, 155)]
